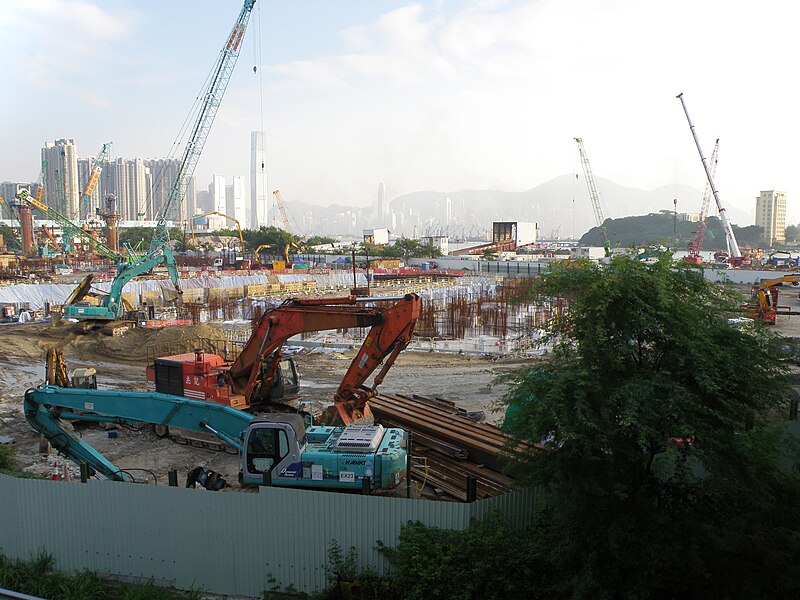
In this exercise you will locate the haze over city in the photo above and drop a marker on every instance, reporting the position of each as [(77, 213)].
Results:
[(422, 96)]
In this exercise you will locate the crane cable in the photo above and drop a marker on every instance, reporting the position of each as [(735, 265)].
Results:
[(258, 60)]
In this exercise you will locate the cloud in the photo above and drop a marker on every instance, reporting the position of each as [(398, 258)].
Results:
[(57, 43)]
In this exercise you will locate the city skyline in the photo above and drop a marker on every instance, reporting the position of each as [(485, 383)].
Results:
[(424, 95)]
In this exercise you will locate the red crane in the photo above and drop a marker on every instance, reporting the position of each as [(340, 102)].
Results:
[(696, 245)]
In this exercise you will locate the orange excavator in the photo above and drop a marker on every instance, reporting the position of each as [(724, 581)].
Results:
[(256, 379)]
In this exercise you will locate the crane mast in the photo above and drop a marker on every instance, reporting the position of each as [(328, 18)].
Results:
[(212, 98), (94, 178), (159, 252), (594, 195), (736, 254), (696, 246)]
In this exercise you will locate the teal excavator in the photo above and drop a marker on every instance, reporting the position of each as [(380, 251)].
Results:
[(276, 449), (111, 306)]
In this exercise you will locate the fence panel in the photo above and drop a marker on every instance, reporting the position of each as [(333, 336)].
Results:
[(225, 543)]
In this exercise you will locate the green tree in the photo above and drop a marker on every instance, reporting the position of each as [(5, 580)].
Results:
[(141, 237), (652, 419), (268, 236), (10, 236), (792, 231), (319, 240)]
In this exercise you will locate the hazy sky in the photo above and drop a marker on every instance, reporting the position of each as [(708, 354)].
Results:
[(437, 95)]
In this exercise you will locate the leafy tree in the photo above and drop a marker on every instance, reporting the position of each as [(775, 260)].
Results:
[(655, 443), (269, 236), (657, 229), (792, 232), (10, 236), (142, 236), (410, 248), (319, 240)]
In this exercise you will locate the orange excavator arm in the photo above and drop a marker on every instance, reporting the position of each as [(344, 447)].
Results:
[(391, 330)]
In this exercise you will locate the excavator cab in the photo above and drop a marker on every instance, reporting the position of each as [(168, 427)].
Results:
[(286, 382), (84, 378)]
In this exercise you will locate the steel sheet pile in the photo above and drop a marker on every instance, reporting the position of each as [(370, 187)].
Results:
[(447, 446)]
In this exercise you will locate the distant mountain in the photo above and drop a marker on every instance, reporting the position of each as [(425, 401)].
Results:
[(560, 206)]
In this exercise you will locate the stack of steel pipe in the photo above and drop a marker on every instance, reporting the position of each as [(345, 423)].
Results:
[(448, 446)]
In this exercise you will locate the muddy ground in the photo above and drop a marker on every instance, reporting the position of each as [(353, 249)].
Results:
[(470, 381)]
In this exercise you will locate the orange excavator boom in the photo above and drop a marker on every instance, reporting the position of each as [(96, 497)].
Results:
[(391, 330)]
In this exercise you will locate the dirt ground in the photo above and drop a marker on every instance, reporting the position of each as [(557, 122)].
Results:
[(120, 363), (470, 381)]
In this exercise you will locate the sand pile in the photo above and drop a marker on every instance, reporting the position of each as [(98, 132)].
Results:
[(33, 340)]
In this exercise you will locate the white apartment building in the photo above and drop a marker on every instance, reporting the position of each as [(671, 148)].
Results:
[(771, 216)]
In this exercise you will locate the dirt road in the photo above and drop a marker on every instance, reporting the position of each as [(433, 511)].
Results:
[(120, 363)]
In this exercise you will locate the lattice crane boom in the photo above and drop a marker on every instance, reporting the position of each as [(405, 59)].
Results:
[(594, 195), (94, 178), (696, 246), (723, 215), (68, 227), (212, 98), (282, 210)]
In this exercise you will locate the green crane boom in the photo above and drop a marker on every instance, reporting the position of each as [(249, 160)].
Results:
[(159, 253)]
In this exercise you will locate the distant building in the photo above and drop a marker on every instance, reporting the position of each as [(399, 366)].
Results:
[(219, 203), (381, 207), (131, 185), (771, 216), (513, 233), (60, 162), (590, 252), (259, 200), (235, 201), (162, 173), (376, 237), (437, 241), (682, 217)]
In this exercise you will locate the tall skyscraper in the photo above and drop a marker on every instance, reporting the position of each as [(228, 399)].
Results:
[(382, 207), (219, 202), (60, 160), (771, 216), (235, 200), (259, 200)]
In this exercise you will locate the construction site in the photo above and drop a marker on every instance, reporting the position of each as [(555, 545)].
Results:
[(280, 377)]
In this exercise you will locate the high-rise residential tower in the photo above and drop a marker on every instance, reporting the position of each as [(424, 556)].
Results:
[(771, 216), (60, 161), (163, 173), (259, 200)]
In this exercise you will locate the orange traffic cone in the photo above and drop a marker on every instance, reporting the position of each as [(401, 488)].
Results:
[(56, 476)]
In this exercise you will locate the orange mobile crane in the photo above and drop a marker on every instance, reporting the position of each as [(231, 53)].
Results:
[(250, 382), (764, 306)]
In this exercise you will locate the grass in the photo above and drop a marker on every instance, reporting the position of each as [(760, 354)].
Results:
[(8, 465), (38, 577)]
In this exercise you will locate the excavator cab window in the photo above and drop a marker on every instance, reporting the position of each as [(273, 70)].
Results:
[(265, 448)]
